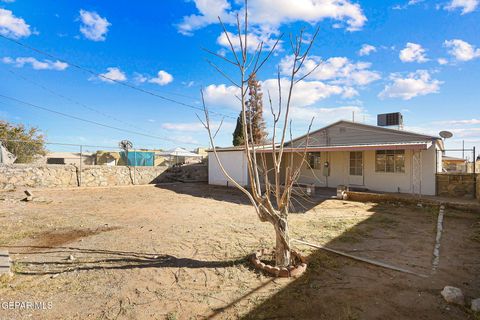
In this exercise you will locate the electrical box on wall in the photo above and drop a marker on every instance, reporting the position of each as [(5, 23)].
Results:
[(326, 169)]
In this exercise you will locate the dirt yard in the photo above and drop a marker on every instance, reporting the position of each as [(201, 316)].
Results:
[(179, 252)]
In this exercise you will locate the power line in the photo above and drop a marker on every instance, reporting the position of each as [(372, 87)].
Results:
[(67, 144), (89, 121), (74, 101), (125, 84)]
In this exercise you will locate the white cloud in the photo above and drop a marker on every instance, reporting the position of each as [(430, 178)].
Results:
[(195, 126), (349, 92), (305, 93), (327, 115), (8, 1), (184, 139), (93, 26), (408, 4), (222, 96), (162, 78), (185, 127), (113, 73), (271, 14), (366, 50), (461, 50), (209, 11), (442, 61), (338, 70), (461, 122), (276, 12), (413, 52), (417, 83), (36, 64), (466, 132), (254, 38), (466, 6), (140, 78), (11, 26)]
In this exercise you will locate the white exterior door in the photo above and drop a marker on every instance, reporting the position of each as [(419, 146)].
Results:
[(356, 170)]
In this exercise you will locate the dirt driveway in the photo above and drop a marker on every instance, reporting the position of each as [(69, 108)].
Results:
[(178, 252)]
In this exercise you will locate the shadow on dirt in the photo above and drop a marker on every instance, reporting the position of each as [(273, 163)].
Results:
[(336, 287), (94, 259), (300, 202)]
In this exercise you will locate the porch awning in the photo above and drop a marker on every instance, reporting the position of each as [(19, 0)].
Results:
[(380, 146)]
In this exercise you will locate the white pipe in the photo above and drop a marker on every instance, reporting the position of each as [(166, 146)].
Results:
[(436, 248), (376, 263)]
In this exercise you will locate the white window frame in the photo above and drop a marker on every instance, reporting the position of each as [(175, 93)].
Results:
[(396, 154), (316, 157), (358, 163)]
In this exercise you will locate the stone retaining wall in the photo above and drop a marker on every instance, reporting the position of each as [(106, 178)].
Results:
[(54, 176), (456, 185), (478, 187)]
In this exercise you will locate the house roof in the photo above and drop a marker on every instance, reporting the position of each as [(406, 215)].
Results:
[(447, 158), (358, 147), (371, 127), (375, 137)]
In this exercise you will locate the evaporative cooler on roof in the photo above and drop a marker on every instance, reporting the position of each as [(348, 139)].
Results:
[(390, 119)]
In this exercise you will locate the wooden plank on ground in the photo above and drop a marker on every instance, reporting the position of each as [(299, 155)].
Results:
[(4, 262)]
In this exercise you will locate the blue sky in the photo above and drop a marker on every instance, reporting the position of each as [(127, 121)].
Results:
[(418, 57)]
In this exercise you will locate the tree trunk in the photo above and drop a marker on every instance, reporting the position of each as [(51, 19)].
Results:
[(282, 247)]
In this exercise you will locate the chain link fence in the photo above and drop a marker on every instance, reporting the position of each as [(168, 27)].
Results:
[(458, 161), (31, 152)]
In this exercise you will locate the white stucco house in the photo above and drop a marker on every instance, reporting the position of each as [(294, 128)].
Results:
[(352, 154)]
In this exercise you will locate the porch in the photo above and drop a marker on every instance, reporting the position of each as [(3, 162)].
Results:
[(399, 168)]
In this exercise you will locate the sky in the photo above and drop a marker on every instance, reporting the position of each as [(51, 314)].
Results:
[(420, 58)]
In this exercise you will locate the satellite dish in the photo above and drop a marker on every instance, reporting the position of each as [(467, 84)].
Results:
[(446, 134), (125, 145)]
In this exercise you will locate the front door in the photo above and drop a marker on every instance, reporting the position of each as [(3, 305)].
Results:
[(356, 168)]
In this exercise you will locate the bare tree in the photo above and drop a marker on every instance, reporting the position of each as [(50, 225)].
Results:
[(271, 199)]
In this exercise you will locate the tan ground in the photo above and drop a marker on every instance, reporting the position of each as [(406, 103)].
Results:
[(178, 252)]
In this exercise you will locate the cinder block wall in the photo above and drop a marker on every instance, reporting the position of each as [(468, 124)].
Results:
[(478, 187), (458, 185), (51, 176)]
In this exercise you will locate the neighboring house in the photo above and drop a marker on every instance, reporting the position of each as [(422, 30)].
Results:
[(352, 154), (452, 164), (201, 151), (473, 166), (179, 156), (86, 158)]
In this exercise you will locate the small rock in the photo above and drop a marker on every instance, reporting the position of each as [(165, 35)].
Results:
[(55, 275), (476, 305), (71, 258), (453, 295), (419, 205)]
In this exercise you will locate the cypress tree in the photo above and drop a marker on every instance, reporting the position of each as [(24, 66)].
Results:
[(255, 111), (238, 138)]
